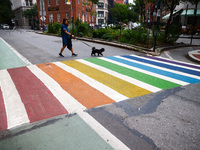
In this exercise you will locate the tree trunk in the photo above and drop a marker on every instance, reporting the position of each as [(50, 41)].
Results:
[(169, 20)]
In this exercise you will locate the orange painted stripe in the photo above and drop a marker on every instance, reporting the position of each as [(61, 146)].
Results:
[(81, 91)]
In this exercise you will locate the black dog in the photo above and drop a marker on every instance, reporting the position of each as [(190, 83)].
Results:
[(98, 51)]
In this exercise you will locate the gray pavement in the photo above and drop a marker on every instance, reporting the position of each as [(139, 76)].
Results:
[(39, 48), (167, 120)]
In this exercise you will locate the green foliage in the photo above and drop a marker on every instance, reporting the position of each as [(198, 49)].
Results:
[(84, 28), (99, 33), (123, 13), (173, 34), (6, 13), (29, 13), (54, 28)]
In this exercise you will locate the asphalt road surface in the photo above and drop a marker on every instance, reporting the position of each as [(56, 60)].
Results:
[(127, 102), (39, 48)]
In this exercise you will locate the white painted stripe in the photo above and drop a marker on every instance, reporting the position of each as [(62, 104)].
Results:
[(70, 104), (17, 53), (168, 55), (162, 62), (93, 83), (178, 61), (15, 109), (161, 68), (146, 72), (103, 132), (123, 77)]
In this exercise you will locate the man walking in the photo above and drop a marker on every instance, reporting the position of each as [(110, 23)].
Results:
[(66, 38)]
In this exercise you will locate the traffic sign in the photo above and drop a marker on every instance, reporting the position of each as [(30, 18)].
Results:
[(43, 18)]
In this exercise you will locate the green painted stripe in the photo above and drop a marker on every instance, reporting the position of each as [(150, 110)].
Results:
[(60, 133), (157, 82), (8, 59)]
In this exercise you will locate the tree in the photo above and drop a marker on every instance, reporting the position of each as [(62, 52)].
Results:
[(6, 13), (123, 13), (139, 7), (31, 14), (170, 5)]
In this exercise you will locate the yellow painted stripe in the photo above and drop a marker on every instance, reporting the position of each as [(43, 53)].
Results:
[(117, 84)]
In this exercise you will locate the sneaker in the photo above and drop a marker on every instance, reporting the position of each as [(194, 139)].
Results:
[(74, 54), (61, 55)]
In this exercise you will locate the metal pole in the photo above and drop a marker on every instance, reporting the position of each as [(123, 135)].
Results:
[(42, 16), (158, 21)]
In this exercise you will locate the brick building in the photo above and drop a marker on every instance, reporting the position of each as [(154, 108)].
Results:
[(18, 6), (56, 10)]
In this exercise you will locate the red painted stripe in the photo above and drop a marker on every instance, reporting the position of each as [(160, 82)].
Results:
[(38, 100), (3, 118)]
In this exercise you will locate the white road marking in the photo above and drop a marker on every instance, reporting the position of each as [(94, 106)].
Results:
[(161, 68), (167, 54), (70, 104), (95, 84), (123, 77), (146, 72), (103, 132), (17, 53), (15, 109)]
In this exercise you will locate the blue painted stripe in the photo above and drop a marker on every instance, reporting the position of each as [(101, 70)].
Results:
[(157, 71), (164, 65)]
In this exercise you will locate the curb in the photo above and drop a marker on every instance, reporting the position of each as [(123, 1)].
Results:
[(191, 55), (128, 46)]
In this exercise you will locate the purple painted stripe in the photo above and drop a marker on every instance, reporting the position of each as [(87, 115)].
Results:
[(173, 62)]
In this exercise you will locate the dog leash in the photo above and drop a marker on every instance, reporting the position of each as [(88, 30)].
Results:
[(84, 43)]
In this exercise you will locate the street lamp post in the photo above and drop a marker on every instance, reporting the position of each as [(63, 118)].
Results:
[(42, 15), (158, 21)]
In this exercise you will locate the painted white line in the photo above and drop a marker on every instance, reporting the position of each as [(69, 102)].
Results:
[(15, 109), (168, 55), (70, 104), (17, 53), (93, 83), (162, 62), (103, 132), (123, 77), (161, 68), (146, 72)]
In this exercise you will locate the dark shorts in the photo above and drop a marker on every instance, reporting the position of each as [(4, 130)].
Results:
[(68, 42)]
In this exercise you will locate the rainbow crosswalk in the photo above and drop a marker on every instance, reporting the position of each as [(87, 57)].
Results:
[(37, 92)]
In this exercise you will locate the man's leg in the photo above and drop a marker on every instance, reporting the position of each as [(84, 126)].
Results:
[(62, 49), (73, 54)]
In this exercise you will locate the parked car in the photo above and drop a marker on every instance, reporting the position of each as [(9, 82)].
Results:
[(6, 26)]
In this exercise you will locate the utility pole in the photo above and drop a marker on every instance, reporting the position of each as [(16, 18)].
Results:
[(158, 22), (42, 15)]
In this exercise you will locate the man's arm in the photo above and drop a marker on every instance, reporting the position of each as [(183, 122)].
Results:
[(68, 33)]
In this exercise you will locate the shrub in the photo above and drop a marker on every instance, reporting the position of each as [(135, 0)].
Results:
[(54, 28), (174, 34), (99, 33)]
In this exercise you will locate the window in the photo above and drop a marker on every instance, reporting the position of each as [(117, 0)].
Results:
[(100, 5), (100, 13), (100, 22), (86, 18), (57, 2), (92, 18), (51, 18), (49, 2), (67, 15), (79, 15), (58, 17), (78, 2)]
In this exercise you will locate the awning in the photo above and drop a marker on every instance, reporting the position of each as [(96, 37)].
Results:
[(167, 16), (190, 12)]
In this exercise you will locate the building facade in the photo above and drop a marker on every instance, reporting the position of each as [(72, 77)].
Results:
[(57, 10), (102, 12), (18, 6)]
